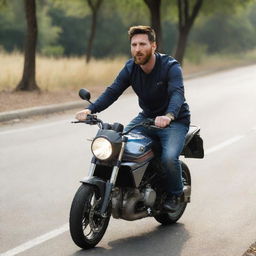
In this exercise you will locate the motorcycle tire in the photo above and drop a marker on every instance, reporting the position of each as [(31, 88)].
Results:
[(166, 218), (87, 227)]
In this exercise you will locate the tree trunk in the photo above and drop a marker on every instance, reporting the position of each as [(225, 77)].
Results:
[(91, 37), (181, 46), (28, 81), (95, 9), (186, 20), (155, 20)]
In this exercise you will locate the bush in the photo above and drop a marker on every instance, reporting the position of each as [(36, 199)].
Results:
[(53, 50), (196, 52)]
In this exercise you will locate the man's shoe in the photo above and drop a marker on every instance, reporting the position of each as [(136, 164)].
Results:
[(171, 203)]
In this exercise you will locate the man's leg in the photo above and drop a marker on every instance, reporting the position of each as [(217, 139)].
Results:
[(138, 119), (172, 141)]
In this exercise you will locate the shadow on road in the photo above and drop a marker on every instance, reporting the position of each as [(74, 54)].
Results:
[(164, 240)]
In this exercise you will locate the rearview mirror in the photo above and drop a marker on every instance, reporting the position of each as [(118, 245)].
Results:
[(84, 94)]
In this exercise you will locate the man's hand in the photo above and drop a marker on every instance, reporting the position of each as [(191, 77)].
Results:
[(162, 121), (81, 115)]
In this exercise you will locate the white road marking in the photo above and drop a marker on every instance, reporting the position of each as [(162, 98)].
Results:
[(224, 144), (36, 241), (34, 127), (56, 232)]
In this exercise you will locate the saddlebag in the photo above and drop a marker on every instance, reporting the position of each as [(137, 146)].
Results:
[(194, 148)]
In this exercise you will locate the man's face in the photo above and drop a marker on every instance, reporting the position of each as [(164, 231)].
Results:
[(142, 49)]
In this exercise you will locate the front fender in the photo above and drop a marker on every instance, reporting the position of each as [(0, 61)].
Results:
[(96, 182)]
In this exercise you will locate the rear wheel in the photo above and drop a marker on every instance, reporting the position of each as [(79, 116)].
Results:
[(87, 227), (166, 218)]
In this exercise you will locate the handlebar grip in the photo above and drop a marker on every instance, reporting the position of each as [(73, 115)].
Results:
[(151, 121)]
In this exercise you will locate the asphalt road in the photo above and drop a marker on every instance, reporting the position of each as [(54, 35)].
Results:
[(41, 163)]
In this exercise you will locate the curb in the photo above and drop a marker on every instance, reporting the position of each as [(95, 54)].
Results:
[(41, 110)]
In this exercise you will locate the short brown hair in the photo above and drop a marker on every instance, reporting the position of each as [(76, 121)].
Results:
[(142, 30)]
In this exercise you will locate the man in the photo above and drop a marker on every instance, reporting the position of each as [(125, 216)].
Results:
[(157, 80)]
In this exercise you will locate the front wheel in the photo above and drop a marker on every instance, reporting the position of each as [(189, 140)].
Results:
[(166, 218), (87, 227)]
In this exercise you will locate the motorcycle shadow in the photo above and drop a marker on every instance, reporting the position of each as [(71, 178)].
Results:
[(163, 240)]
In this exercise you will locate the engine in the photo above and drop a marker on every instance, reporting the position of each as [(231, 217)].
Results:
[(131, 204)]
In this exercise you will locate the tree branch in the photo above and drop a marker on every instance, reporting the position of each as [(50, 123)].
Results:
[(195, 11), (90, 4), (94, 6), (186, 10), (180, 13)]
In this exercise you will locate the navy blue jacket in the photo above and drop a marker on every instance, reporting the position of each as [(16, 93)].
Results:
[(159, 92)]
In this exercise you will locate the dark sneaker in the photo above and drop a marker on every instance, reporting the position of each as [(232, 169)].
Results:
[(171, 203)]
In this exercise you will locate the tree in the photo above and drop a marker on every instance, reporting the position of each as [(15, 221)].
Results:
[(94, 6), (28, 81), (155, 20), (187, 15), (188, 11), (2, 3), (82, 9)]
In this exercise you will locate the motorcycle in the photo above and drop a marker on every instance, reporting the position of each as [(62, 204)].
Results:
[(125, 180)]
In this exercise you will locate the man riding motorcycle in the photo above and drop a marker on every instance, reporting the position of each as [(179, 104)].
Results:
[(157, 80)]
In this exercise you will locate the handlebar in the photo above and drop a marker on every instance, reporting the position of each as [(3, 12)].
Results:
[(148, 123), (93, 119)]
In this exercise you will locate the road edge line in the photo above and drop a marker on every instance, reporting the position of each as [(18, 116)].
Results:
[(38, 240)]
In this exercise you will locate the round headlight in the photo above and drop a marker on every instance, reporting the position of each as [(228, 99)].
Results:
[(101, 148)]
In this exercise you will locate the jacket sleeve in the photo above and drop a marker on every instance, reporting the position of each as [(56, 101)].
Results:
[(175, 90), (112, 92)]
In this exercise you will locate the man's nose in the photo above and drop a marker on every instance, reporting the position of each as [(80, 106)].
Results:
[(137, 48)]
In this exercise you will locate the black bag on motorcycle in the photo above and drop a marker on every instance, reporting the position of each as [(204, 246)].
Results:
[(195, 148)]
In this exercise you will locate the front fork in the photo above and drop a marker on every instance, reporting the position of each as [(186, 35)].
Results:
[(109, 184)]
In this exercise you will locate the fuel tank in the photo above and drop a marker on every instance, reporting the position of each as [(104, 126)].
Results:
[(138, 148)]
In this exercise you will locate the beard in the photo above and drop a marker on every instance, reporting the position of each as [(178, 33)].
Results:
[(142, 59)]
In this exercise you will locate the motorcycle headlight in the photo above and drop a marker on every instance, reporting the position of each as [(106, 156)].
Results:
[(102, 148)]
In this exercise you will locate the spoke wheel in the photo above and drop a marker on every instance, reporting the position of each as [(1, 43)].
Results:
[(87, 227), (166, 218)]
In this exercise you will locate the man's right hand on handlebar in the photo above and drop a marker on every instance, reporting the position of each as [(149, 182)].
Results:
[(81, 115)]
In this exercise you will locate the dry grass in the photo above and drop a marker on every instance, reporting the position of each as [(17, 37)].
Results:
[(220, 62), (72, 73), (59, 74), (60, 79)]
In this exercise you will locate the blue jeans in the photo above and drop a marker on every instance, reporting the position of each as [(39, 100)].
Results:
[(172, 139)]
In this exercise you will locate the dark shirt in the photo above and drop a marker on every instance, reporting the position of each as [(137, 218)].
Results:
[(159, 92)]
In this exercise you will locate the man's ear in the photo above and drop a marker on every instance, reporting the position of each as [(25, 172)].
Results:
[(154, 46)]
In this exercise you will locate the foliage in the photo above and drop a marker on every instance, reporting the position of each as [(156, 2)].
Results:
[(222, 33), (64, 26), (12, 25), (196, 52), (76, 8), (48, 34)]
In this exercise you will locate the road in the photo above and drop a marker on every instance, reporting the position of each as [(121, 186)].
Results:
[(41, 163)]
